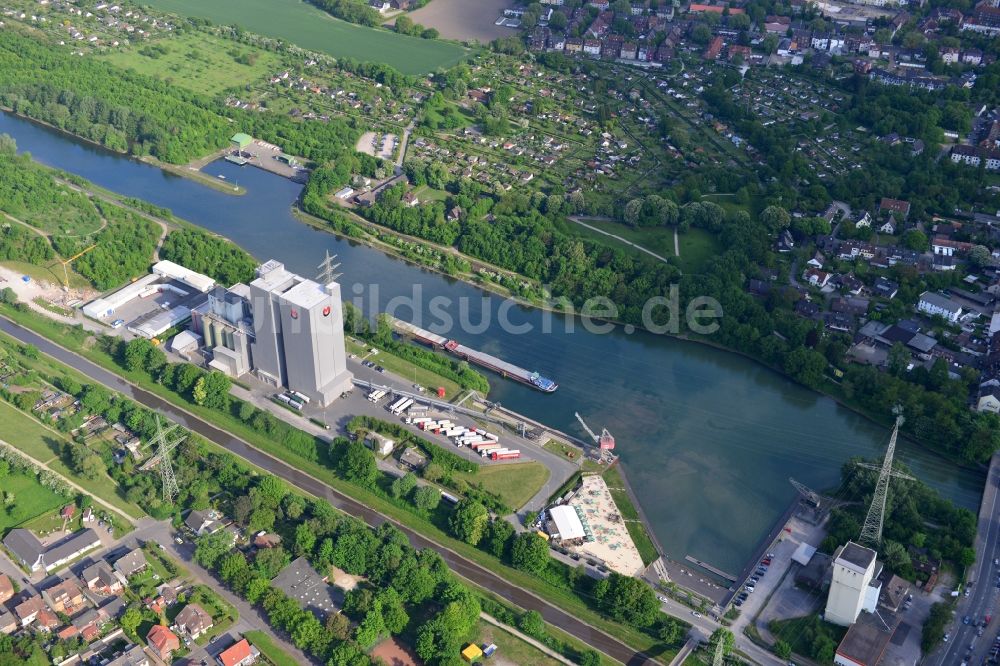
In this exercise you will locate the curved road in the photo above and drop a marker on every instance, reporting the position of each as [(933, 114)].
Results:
[(461, 566)]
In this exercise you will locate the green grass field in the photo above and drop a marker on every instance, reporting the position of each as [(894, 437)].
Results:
[(310, 28), (510, 648), (269, 649), (697, 247), (24, 433), (30, 500), (514, 483), (198, 61)]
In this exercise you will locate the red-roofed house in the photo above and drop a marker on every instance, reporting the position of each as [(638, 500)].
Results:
[(240, 654), (6, 589), (890, 206), (714, 9), (162, 641), (714, 49)]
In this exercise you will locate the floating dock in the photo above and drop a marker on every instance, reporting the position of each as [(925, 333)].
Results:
[(497, 365)]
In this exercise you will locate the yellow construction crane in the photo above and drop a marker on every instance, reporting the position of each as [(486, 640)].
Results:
[(70, 261)]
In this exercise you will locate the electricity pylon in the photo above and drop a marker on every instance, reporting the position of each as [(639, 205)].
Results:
[(164, 445), (871, 532), (328, 269)]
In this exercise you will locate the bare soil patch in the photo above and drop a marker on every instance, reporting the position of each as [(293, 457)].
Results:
[(394, 653)]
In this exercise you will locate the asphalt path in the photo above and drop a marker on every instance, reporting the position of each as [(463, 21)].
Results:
[(964, 646), (460, 565)]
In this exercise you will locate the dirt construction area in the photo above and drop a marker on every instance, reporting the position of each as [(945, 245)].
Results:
[(377, 145), (464, 20)]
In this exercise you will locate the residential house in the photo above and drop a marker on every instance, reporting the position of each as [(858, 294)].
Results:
[(714, 48), (193, 621), (885, 288), (972, 57), (163, 642), (785, 241), (888, 227), (8, 623), (946, 252), (102, 579), (64, 597), (131, 563), (889, 206), (266, 540), (135, 656), (807, 309), (167, 593), (937, 305), (6, 589), (381, 445), (989, 399), (817, 260), (30, 552), (853, 249), (241, 653), (413, 458), (984, 19), (863, 220), (816, 277), (47, 621), (202, 522), (850, 284), (27, 611)]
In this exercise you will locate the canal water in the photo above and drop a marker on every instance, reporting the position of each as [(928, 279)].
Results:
[(708, 439)]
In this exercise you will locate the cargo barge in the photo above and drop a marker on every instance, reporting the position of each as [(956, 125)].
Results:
[(497, 365)]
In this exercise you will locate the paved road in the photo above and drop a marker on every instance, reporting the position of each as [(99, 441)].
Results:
[(982, 599), (463, 567)]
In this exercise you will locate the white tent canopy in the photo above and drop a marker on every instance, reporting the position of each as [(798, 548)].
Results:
[(567, 522)]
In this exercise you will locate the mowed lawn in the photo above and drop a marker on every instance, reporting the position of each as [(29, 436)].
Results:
[(311, 28), (29, 499), (514, 483), (198, 61)]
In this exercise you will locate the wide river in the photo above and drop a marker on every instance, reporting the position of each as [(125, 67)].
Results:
[(709, 439)]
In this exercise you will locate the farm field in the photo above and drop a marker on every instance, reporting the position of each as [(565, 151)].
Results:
[(464, 20), (197, 61), (515, 483), (30, 499), (312, 28)]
